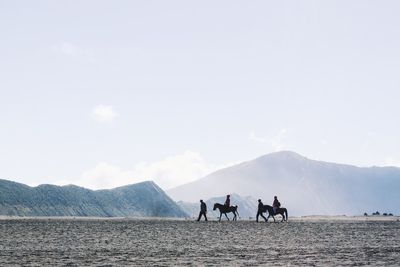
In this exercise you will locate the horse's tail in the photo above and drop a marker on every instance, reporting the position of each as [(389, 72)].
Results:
[(286, 215)]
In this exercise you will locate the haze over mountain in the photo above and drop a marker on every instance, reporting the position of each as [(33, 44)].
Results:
[(144, 199), (303, 186)]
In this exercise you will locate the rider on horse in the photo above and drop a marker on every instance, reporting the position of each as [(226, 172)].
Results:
[(276, 205), (228, 201)]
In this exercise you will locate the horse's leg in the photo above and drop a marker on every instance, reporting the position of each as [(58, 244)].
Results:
[(273, 217), (265, 219), (269, 215), (226, 216), (234, 216), (283, 217), (220, 215)]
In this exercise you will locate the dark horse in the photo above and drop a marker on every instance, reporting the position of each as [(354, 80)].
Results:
[(279, 211), (224, 210)]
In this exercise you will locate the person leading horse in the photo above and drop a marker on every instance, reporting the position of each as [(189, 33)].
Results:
[(273, 210)]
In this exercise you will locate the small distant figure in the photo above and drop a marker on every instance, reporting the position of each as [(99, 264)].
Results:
[(260, 210), (203, 210), (276, 204), (228, 201)]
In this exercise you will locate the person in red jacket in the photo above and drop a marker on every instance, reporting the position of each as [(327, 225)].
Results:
[(276, 204)]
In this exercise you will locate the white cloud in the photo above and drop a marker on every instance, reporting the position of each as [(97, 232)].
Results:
[(369, 140), (167, 173), (174, 170), (276, 142), (323, 142), (390, 161), (67, 49), (105, 175), (102, 113), (254, 137)]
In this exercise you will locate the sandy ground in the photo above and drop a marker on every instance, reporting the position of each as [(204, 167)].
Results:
[(307, 241), (278, 218)]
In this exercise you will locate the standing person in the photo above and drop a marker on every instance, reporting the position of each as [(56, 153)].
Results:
[(228, 201), (276, 204), (203, 210), (260, 210)]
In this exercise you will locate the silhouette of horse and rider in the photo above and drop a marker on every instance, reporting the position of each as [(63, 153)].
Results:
[(223, 209), (273, 210), (227, 208)]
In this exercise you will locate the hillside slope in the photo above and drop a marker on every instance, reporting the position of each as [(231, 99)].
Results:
[(137, 200)]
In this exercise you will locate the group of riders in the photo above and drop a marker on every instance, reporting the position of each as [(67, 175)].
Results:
[(274, 209)]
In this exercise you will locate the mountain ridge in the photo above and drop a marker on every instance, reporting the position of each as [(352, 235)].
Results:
[(307, 186), (135, 200)]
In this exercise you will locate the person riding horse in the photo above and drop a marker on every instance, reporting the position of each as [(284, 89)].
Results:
[(276, 204), (228, 201), (226, 208), (272, 210), (223, 209)]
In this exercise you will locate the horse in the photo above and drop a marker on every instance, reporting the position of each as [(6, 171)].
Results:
[(279, 211), (224, 210)]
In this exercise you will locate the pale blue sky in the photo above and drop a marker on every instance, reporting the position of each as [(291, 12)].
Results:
[(182, 88)]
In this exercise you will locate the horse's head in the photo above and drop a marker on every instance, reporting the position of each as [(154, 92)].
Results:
[(215, 206)]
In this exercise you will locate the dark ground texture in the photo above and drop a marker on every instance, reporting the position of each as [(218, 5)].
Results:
[(178, 242)]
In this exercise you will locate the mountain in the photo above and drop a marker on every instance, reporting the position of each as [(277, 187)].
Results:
[(247, 206), (144, 199), (304, 186)]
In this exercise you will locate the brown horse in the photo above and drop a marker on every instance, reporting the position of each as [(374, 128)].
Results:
[(224, 210)]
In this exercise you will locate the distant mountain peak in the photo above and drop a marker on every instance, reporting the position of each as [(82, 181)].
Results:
[(306, 186), (284, 154)]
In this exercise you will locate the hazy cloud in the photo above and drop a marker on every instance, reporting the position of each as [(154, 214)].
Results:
[(102, 113), (390, 161), (369, 140), (323, 142), (276, 142), (67, 49), (167, 173), (105, 175)]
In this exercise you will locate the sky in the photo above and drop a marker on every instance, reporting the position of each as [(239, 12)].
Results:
[(107, 93)]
